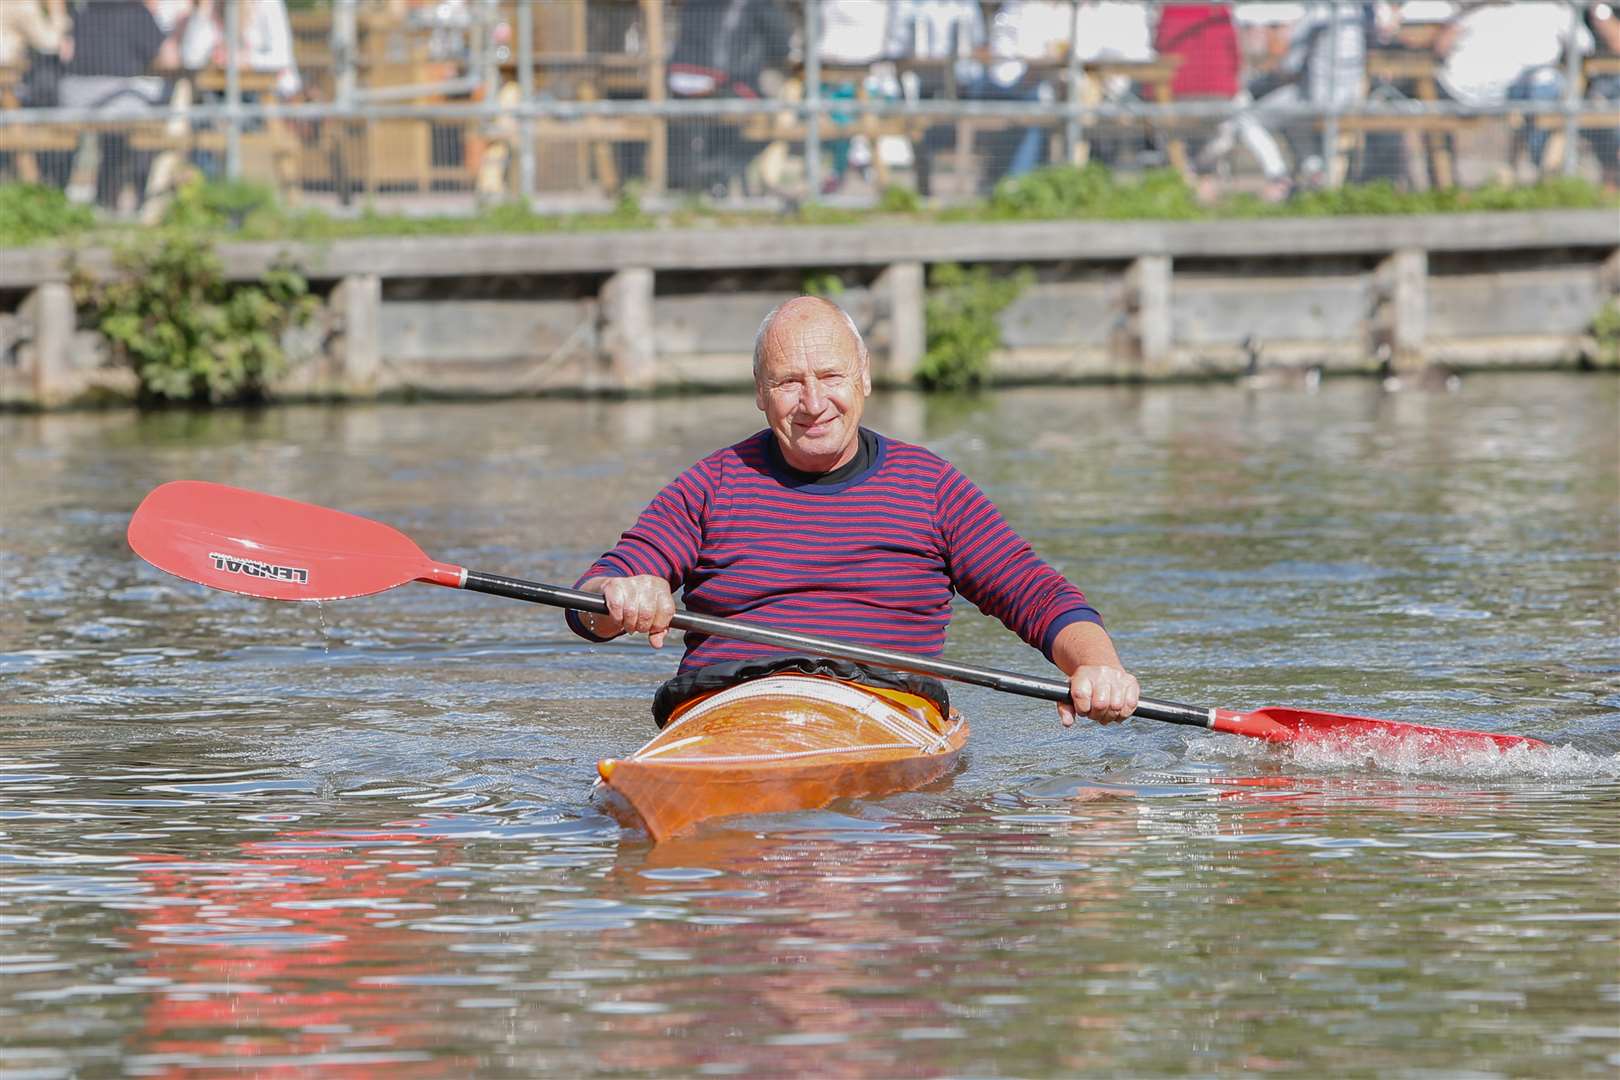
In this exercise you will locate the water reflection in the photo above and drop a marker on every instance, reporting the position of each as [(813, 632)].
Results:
[(294, 954)]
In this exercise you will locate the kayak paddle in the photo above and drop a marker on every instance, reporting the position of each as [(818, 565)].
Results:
[(263, 545)]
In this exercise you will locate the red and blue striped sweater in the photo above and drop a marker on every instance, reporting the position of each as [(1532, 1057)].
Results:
[(873, 559)]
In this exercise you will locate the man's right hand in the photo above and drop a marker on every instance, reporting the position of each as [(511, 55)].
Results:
[(636, 605)]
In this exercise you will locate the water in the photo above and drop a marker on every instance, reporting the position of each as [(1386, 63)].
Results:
[(238, 836)]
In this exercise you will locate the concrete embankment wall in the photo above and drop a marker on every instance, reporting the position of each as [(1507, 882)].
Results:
[(626, 312)]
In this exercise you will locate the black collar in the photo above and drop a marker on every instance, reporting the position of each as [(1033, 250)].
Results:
[(866, 455)]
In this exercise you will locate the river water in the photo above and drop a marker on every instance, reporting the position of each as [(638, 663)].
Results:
[(240, 837)]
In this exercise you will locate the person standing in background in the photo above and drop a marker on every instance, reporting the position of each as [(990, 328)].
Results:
[(118, 48), (952, 33), (1497, 52), (1327, 62), (34, 37), (1109, 30), (723, 48), (31, 26), (852, 35), (1023, 32), (1206, 39), (267, 44), (1604, 23)]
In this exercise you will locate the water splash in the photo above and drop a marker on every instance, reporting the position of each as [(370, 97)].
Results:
[(326, 631), (1392, 755)]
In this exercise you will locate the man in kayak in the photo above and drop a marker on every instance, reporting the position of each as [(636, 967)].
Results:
[(820, 526)]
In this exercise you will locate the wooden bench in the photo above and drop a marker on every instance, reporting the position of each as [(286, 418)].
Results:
[(1431, 139)]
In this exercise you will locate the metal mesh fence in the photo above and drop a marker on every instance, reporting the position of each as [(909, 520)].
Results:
[(444, 104)]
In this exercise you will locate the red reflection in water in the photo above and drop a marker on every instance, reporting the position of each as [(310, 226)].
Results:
[(296, 970), (824, 978)]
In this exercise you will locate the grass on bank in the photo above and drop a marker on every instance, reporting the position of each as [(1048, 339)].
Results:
[(243, 211)]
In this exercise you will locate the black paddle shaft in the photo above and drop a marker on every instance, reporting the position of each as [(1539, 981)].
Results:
[(1008, 681)]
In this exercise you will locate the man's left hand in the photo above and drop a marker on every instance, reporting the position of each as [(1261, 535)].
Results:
[(1105, 694)]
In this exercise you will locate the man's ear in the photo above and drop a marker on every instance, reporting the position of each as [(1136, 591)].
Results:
[(866, 374)]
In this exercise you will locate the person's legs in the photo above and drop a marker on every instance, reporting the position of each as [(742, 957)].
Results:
[(1256, 138), (1029, 152), (1021, 149), (1605, 141), (1537, 84), (1224, 141), (837, 149), (1244, 126), (1259, 141)]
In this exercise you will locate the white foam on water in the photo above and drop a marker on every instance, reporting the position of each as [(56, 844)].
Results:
[(1393, 754)]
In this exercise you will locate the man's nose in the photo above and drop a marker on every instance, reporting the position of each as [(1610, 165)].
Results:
[(814, 398)]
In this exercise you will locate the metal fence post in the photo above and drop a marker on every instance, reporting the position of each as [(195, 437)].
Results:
[(345, 46), (1072, 132), (1330, 129), (487, 18), (525, 62), (812, 100), (233, 91), (343, 49), (1572, 79)]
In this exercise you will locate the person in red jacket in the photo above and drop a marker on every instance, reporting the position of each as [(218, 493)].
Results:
[(1205, 38)]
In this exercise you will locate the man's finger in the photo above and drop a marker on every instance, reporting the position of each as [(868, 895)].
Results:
[(1066, 714), (656, 638), (1103, 699), (1081, 696)]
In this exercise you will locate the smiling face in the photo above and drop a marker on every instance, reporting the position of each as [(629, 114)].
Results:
[(811, 383)]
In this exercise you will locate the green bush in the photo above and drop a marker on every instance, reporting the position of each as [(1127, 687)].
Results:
[(1096, 192), (1606, 329), (30, 213), (821, 283), (190, 335), (221, 205), (962, 331), (899, 200), (1093, 191)]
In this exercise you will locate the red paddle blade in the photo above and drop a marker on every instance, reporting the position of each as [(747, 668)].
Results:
[(1303, 725), (263, 545)]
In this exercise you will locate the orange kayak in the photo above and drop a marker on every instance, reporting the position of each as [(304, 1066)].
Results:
[(783, 742)]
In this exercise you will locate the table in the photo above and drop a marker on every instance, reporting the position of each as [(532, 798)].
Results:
[(1156, 75), (1419, 70), (1595, 66)]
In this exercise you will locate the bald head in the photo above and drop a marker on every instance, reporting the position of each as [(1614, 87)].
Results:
[(807, 322)]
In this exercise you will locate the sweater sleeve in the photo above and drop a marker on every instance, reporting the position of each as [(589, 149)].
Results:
[(662, 543), (997, 570)]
